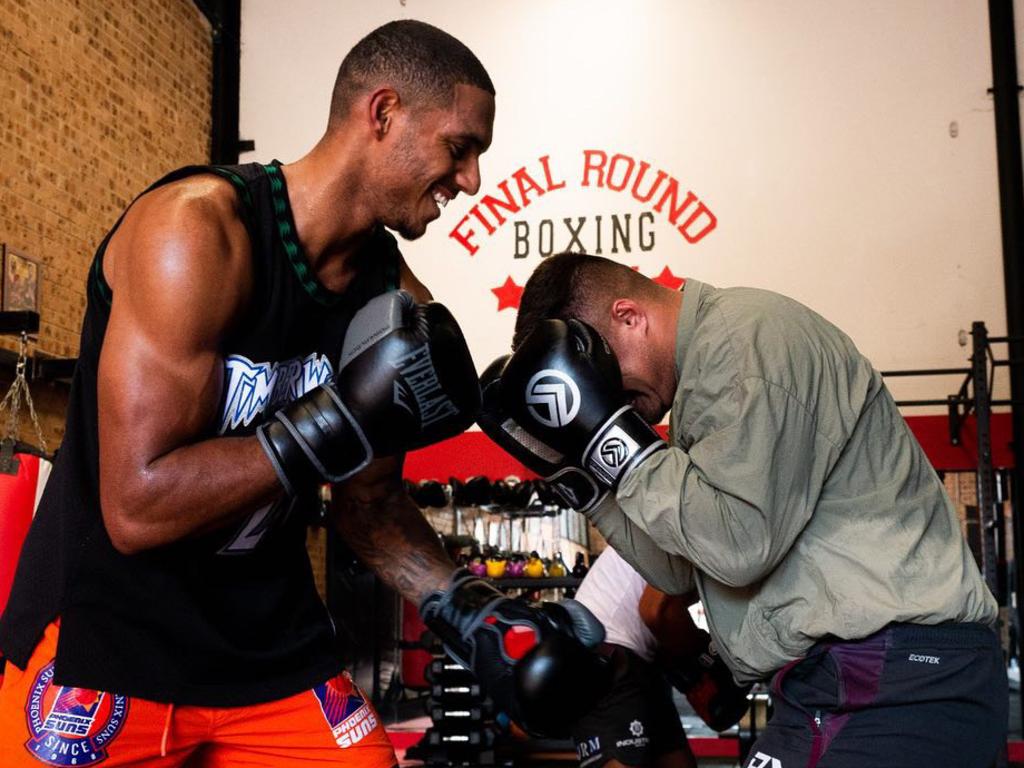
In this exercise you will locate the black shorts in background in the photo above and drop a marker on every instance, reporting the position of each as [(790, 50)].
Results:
[(635, 722)]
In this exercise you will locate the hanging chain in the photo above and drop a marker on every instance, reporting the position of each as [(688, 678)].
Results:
[(12, 400)]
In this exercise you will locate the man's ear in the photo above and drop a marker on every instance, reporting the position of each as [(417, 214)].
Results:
[(383, 107), (628, 315)]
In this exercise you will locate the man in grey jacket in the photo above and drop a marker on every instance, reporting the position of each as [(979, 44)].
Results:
[(791, 494)]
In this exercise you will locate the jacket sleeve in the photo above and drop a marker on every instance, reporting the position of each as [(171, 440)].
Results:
[(669, 573), (734, 503)]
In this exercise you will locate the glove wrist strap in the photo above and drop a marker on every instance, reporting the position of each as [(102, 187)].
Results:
[(619, 445), (314, 437)]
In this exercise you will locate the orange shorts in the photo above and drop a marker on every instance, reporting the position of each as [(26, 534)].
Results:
[(46, 724)]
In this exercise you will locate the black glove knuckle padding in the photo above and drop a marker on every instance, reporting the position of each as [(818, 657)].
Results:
[(572, 486), (530, 659), (432, 382), (557, 406), (405, 380)]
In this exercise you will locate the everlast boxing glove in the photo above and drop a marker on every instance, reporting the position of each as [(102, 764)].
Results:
[(534, 660), (557, 406), (405, 380)]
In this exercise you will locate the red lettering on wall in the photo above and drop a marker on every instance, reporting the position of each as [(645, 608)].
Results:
[(710, 222), (489, 210), (493, 203), (552, 186), (475, 210), (620, 173), (463, 238), (675, 211), (625, 165), (589, 164), (525, 183), (643, 197)]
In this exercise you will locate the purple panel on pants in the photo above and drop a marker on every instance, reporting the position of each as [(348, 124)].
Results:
[(830, 728), (860, 669)]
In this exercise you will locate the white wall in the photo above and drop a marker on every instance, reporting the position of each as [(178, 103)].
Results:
[(818, 134)]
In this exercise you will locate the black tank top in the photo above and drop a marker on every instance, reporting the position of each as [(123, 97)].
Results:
[(233, 617)]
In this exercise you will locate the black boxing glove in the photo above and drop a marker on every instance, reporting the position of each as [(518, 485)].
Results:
[(557, 406), (571, 485), (405, 380), (534, 660), (708, 685)]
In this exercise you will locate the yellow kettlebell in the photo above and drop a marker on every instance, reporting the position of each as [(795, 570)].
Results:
[(496, 567), (534, 566)]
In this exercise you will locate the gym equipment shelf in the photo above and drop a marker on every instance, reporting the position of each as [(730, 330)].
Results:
[(547, 582), (42, 367)]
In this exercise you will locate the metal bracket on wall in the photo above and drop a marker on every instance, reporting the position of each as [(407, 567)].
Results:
[(42, 367)]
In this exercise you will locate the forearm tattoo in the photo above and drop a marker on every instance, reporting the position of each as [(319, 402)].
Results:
[(392, 538)]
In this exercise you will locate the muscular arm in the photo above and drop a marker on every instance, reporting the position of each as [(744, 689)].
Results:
[(383, 526), (179, 269), (387, 531)]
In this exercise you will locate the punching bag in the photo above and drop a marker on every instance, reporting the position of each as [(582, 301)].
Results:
[(23, 474)]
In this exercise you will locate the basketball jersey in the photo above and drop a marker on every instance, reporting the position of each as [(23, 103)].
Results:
[(231, 617)]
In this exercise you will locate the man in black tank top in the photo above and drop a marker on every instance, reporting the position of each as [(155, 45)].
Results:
[(243, 343)]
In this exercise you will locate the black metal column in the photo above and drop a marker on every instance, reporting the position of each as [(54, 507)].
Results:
[(988, 515), (1005, 91), (225, 18)]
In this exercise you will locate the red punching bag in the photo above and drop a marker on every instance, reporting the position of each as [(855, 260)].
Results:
[(23, 473)]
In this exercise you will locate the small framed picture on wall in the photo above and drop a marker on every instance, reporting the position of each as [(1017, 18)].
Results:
[(21, 282)]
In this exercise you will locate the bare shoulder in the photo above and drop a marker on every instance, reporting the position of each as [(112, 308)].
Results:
[(187, 238), (409, 282)]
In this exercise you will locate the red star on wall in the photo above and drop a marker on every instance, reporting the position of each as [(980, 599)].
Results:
[(667, 279), (508, 294)]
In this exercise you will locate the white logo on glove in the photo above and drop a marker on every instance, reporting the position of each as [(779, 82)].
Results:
[(614, 452), (560, 399)]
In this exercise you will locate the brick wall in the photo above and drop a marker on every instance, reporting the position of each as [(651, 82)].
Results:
[(97, 99)]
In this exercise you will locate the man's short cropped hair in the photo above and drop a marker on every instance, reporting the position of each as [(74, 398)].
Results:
[(575, 285), (420, 61)]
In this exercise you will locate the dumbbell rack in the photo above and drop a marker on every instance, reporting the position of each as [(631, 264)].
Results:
[(462, 731)]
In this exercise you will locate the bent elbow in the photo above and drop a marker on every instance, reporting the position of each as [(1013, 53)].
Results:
[(125, 535), (123, 522), (738, 574)]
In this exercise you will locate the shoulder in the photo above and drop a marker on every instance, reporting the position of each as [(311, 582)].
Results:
[(193, 227), (766, 322), (184, 245), (408, 281)]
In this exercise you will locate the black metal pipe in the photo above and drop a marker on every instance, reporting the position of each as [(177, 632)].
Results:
[(989, 513), (225, 18), (915, 403), (1005, 93), (927, 372)]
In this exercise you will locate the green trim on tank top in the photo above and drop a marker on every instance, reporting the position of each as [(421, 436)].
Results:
[(239, 184), (286, 231), (101, 282)]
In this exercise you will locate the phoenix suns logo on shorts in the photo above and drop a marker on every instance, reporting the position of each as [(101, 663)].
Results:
[(346, 710), (71, 726)]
